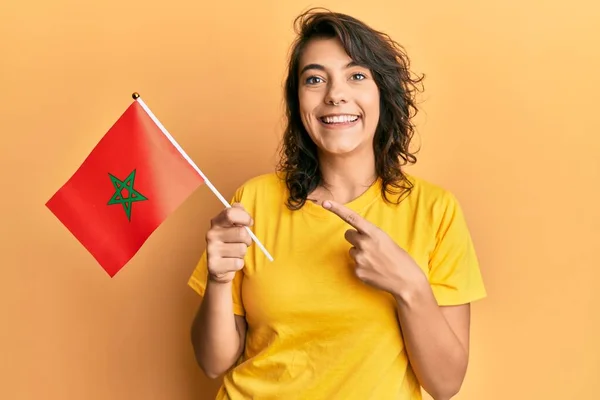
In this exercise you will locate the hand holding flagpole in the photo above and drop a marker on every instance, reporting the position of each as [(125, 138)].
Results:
[(137, 98)]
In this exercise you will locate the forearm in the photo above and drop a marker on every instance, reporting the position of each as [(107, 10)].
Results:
[(214, 334), (436, 354)]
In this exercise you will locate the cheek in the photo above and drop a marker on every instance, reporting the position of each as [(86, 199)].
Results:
[(369, 99), (371, 105), (374, 109), (306, 103)]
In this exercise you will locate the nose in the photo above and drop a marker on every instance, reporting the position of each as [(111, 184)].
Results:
[(336, 93)]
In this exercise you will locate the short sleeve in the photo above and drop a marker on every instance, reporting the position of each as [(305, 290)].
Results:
[(199, 277), (454, 271)]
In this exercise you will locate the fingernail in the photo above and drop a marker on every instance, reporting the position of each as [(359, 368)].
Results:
[(326, 204)]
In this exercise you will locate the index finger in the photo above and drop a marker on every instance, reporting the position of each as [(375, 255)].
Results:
[(351, 217)]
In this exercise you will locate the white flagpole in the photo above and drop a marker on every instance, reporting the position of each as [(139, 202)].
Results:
[(137, 98)]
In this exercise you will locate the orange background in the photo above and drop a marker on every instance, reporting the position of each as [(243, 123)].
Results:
[(510, 123)]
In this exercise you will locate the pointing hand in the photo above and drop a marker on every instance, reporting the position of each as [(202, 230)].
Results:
[(378, 260)]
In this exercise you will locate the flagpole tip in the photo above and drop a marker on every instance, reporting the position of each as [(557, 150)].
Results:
[(135, 95)]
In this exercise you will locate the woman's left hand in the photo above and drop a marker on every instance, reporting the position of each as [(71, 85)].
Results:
[(379, 261)]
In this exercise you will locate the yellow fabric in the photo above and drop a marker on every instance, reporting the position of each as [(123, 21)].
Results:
[(315, 331)]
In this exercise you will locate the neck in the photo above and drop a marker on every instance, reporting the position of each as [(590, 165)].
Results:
[(345, 178)]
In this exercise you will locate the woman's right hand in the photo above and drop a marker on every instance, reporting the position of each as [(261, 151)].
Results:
[(227, 242)]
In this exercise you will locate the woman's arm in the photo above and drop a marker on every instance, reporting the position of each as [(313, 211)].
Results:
[(218, 336), (436, 339)]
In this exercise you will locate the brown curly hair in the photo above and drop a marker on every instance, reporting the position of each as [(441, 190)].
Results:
[(389, 65)]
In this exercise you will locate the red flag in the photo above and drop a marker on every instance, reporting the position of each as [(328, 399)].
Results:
[(126, 187)]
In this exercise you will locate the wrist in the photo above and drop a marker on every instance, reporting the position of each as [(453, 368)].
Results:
[(218, 283), (216, 289), (412, 291), (220, 279)]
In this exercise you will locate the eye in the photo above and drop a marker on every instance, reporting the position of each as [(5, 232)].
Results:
[(312, 80), (358, 76)]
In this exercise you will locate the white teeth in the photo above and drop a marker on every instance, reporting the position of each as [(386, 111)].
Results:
[(338, 119)]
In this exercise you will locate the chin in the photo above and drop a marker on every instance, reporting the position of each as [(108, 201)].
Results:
[(340, 148)]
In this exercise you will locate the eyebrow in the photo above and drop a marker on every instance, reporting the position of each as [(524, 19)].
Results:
[(322, 68)]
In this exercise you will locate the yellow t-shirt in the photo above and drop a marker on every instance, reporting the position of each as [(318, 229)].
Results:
[(314, 330)]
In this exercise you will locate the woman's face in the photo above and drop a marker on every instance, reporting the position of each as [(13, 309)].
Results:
[(339, 100)]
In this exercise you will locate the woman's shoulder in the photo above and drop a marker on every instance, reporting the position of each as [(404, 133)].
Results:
[(424, 187), (430, 194), (268, 185)]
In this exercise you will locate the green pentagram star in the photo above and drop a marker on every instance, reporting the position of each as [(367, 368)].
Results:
[(125, 194)]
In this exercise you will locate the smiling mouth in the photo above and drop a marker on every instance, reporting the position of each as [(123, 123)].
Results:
[(339, 119)]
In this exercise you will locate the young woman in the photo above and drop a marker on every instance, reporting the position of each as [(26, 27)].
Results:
[(374, 271)]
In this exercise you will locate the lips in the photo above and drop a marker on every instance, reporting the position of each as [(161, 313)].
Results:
[(339, 119)]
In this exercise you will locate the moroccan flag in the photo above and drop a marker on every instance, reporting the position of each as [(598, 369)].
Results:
[(127, 186)]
